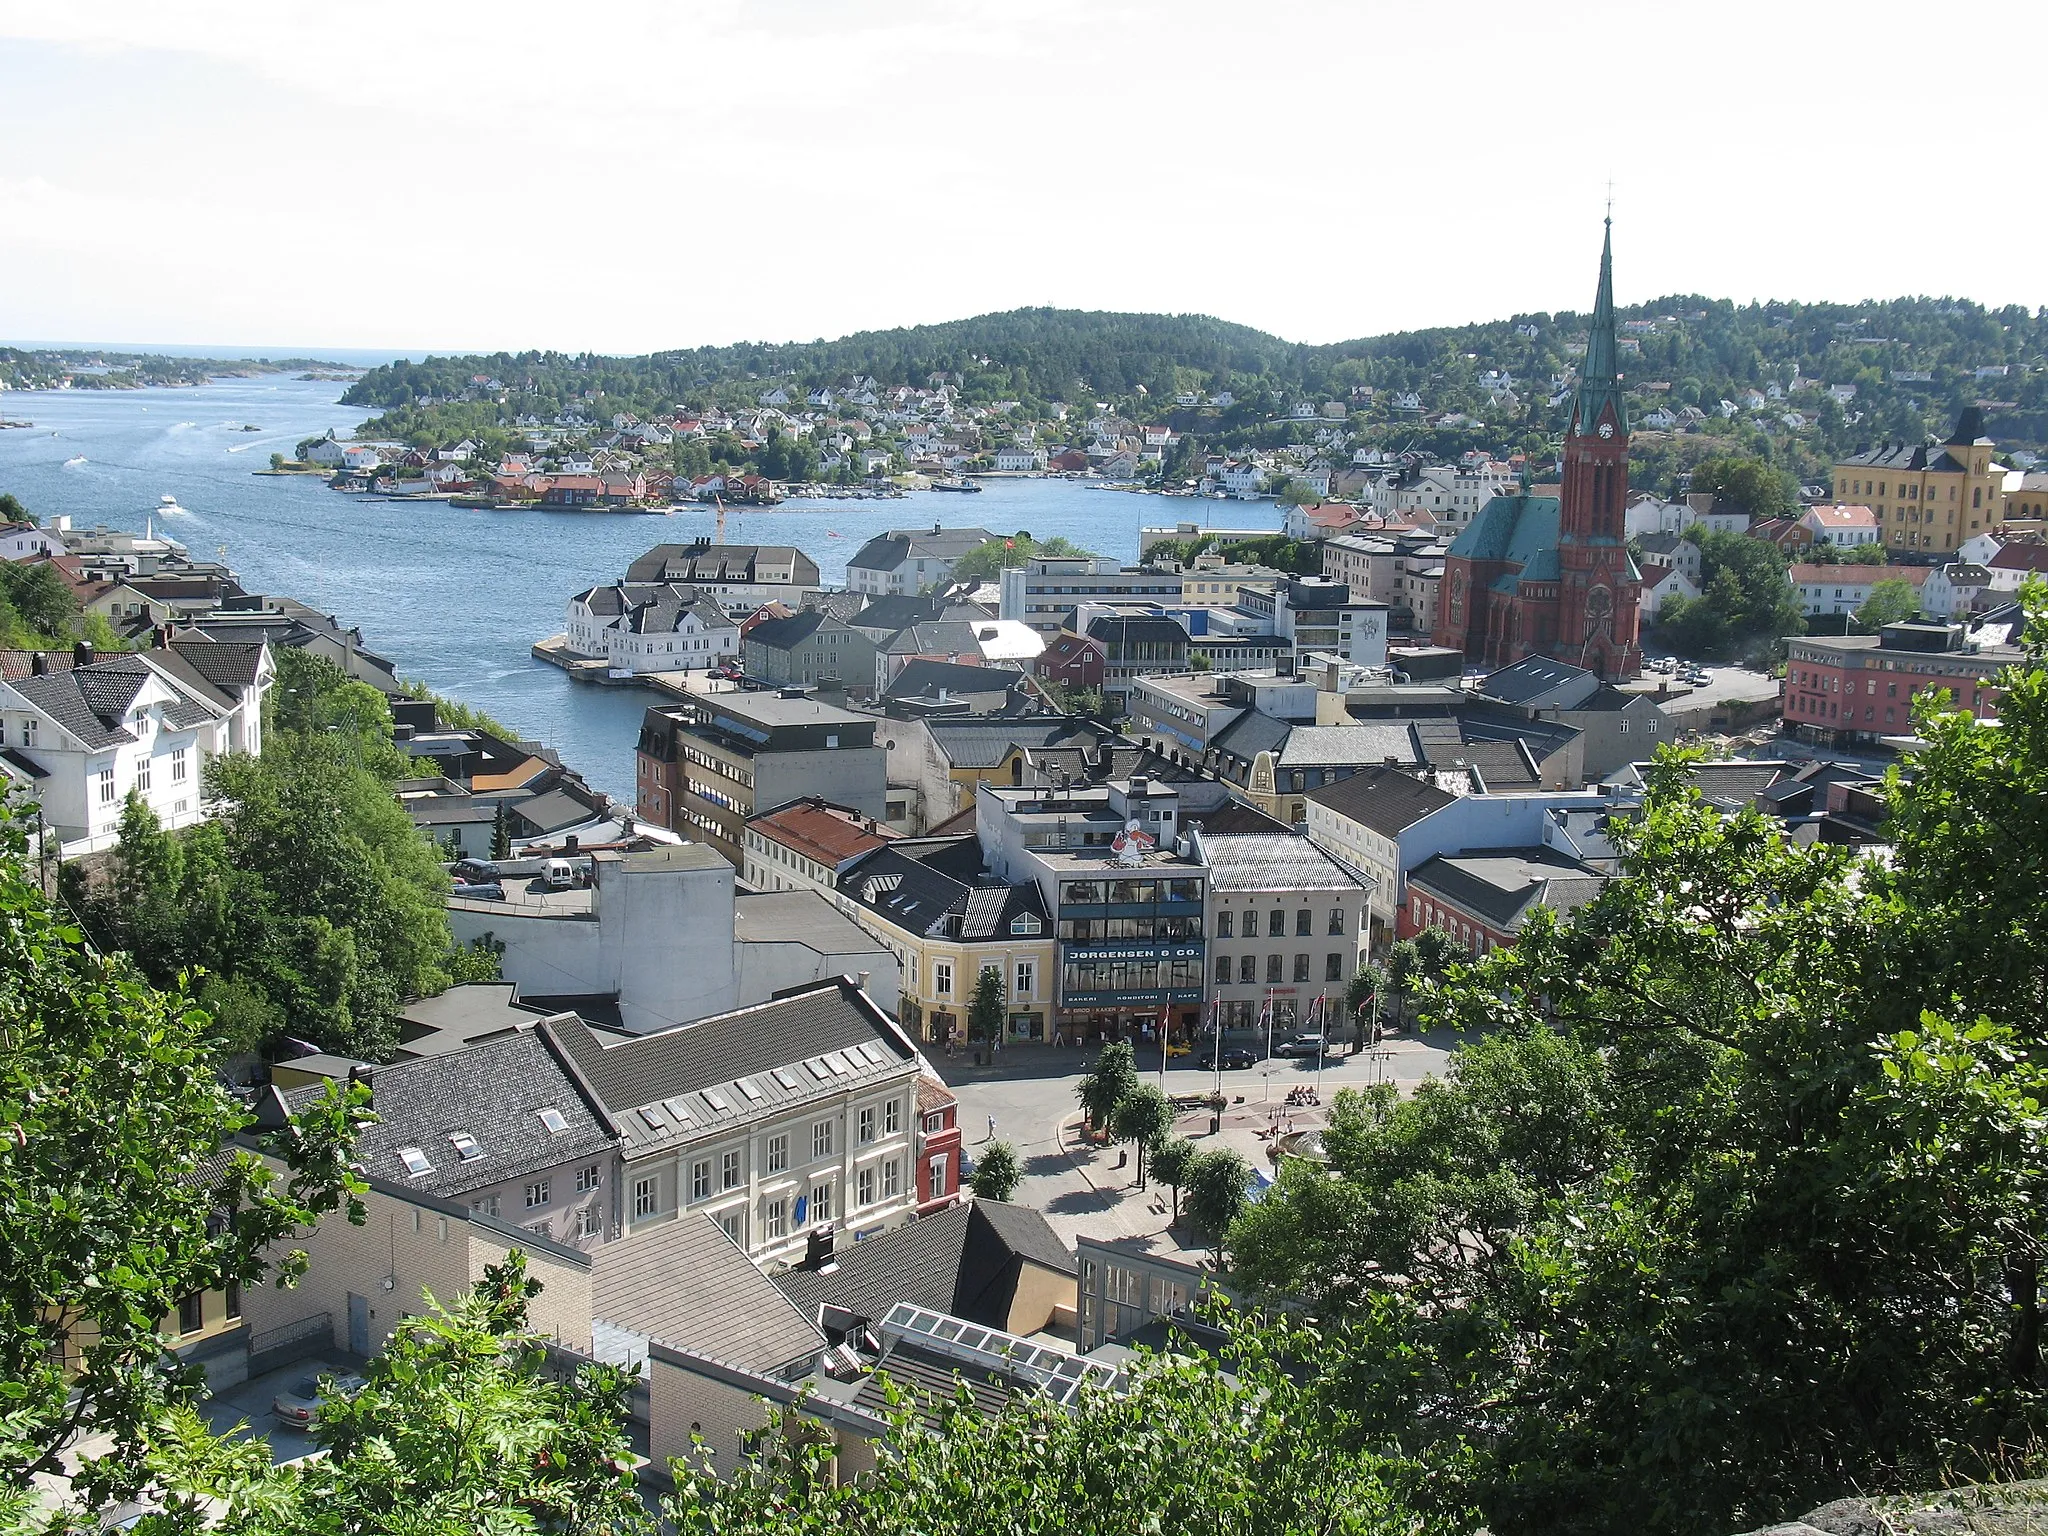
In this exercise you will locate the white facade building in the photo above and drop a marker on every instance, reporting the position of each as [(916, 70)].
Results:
[(642, 627), (80, 740)]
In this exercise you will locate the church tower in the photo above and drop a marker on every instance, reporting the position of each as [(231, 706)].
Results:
[(1600, 589)]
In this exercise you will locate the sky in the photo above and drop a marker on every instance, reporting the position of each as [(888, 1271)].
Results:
[(624, 177)]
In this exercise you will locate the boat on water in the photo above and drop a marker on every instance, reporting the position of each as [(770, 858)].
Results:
[(76, 458), (965, 487)]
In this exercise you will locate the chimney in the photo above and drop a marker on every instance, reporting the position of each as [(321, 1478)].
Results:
[(38, 664), (860, 979), (569, 846), (1330, 677), (81, 654)]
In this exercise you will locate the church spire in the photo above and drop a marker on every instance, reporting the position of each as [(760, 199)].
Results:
[(1599, 382)]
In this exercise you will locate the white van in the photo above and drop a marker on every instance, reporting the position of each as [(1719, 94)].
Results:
[(558, 875)]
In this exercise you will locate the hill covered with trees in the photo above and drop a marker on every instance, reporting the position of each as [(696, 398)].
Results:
[(1912, 364)]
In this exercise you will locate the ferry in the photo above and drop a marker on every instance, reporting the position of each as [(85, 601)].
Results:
[(965, 487)]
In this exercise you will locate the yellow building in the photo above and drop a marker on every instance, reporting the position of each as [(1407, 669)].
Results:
[(930, 902), (1929, 499)]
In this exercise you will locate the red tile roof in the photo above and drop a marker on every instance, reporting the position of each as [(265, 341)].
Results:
[(820, 830)]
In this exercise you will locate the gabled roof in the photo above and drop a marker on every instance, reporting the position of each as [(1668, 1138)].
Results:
[(889, 614), (1501, 885), (686, 1284), (1270, 861), (963, 1261), (937, 637), (930, 886), (787, 634), (975, 743), (1512, 528), (820, 830), (493, 1092), (677, 1064), (1385, 800), (925, 677), (222, 663), (1538, 678)]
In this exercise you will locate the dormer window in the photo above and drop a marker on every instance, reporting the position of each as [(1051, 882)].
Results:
[(555, 1121), (1025, 923), (465, 1146), (415, 1161)]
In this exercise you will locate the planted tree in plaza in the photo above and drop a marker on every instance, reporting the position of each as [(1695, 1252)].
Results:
[(1170, 1164), (1111, 1080), (1218, 1183), (996, 1172), (985, 1007), (1143, 1117)]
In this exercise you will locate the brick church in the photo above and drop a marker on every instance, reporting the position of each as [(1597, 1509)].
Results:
[(1551, 575)]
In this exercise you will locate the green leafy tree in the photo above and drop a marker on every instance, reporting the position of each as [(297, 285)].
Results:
[(1758, 488), (985, 1009), (1112, 1079), (277, 461), (1890, 602), (1745, 603), (1143, 1117), (463, 1425), (996, 1172), (12, 511), (1171, 1161), (1182, 1445), (123, 1193), (988, 561), (1218, 1185), (1298, 493), (1745, 1182), (1403, 973)]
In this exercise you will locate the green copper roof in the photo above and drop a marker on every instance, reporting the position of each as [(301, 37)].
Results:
[(1599, 383), (1510, 528)]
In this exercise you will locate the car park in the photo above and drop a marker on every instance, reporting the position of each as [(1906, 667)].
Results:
[(475, 871), (492, 892), (295, 1406)]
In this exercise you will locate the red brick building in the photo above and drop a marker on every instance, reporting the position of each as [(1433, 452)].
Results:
[(1551, 576), (1864, 685)]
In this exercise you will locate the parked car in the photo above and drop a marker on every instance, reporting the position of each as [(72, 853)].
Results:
[(491, 892), (558, 875), (1310, 1046), (297, 1403), (475, 871), (1238, 1057)]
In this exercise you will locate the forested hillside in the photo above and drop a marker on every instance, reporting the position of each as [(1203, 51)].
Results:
[(1913, 364)]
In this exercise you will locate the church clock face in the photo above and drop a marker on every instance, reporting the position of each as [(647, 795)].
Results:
[(1607, 429)]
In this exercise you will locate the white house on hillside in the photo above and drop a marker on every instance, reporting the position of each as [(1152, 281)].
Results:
[(80, 738)]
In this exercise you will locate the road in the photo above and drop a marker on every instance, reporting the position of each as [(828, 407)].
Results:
[(1086, 1190)]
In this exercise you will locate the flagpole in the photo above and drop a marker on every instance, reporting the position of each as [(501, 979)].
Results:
[(1269, 1048), (1216, 1027), (1322, 1019), (1164, 1014)]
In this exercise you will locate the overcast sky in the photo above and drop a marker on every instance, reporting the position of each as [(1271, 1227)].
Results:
[(620, 176)]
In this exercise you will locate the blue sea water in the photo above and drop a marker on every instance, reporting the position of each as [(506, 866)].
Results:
[(455, 597)]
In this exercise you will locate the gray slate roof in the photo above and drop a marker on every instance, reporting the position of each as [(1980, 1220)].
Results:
[(962, 1261), (1501, 885), (1271, 861), (650, 1070), (1385, 800), (495, 1091), (687, 1284)]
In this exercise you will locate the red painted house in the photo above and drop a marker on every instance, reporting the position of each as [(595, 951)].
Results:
[(1074, 660), (938, 1146)]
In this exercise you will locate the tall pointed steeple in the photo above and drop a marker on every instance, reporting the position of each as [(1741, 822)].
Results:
[(1599, 392)]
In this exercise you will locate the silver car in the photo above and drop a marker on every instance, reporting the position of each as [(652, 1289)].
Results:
[(297, 1403)]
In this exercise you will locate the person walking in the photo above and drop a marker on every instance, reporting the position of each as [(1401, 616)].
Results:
[(991, 1127)]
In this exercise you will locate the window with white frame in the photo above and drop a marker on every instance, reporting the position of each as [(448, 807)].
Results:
[(778, 1153), (142, 774), (821, 1203), (588, 1221), (105, 780), (867, 1124), (700, 1179), (646, 1196), (536, 1194), (865, 1186), (892, 1117), (939, 1175), (1027, 978), (177, 765), (942, 978), (733, 1224), (729, 1170), (892, 1179), (775, 1219), (586, 1179), (821, 1139), (485, 1205)]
